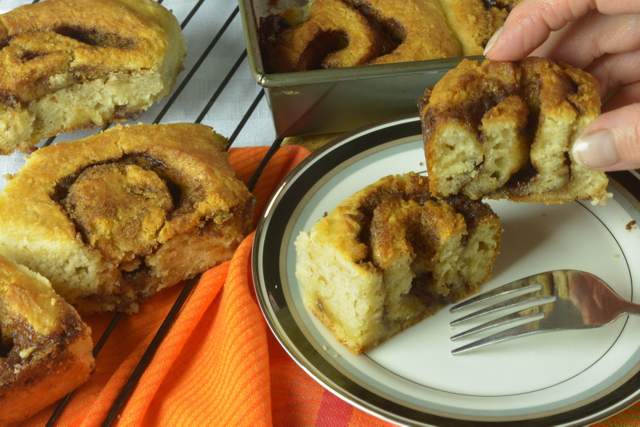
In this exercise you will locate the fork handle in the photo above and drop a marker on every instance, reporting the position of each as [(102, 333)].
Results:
[(631, 308)]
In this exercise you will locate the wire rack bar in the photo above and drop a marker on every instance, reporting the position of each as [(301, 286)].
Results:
[(151, 351), (197, 65), (226, 80), (245, 119), (57, 413)]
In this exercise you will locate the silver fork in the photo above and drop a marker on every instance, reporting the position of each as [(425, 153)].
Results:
[(553, 301)]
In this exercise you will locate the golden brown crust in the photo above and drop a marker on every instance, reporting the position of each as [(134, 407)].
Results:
[(391, 255), (171, 207), (346, 33), (46, 346), (418, 25), (57, 45), (505, 130), (319, 42), (475, 21)]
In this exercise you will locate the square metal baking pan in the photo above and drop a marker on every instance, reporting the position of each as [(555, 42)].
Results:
[(339, 99)]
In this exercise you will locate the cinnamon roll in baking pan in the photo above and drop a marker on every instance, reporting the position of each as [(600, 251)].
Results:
[(391, 255), (504, 130), (115, 217), (72, 64), (46, 348), (418, 26), (345, 33), (315, 42)]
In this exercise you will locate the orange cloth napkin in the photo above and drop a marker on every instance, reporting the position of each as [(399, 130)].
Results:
[(219, 365)]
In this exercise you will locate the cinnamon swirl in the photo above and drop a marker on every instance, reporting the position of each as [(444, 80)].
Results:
[(418, 26), (332, 35), (346, 33), (504, 130), (391, 255), (115, 217), (72, 64), (46, 348)]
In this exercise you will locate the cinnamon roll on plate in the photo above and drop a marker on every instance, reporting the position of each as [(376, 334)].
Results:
[(391, 255)]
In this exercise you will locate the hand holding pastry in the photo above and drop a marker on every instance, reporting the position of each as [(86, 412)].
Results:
[(601, 37)]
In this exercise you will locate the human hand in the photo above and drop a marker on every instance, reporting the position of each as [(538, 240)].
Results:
[(601, 37)]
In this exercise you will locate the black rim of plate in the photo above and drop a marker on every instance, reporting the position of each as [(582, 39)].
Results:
[(268, 274)]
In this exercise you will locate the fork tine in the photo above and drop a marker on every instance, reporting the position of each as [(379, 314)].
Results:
[(510, 303), (501, 321), (509, 334), (509, 288)]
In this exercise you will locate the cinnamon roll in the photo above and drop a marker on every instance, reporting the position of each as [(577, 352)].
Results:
[(346, 33), (46, 349), (331, 35), (504, 130), (418, 26), (72, 64), (113, 218), (391, 255)]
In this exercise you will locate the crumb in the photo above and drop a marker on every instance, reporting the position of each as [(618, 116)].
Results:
[(616, 256), (631, 225), (421, 164), (26, 352), (325, 214), (324, 347), (336, 355), (8, 176)]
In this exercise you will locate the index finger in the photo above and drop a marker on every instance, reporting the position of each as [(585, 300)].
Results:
[(530, 23)]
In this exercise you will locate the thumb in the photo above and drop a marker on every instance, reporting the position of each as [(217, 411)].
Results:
[(611, 142)]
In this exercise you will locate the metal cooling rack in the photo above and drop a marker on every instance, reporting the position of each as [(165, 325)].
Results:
[(216, 89)]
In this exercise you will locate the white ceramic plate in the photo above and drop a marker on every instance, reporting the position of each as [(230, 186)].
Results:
[(572, 377)]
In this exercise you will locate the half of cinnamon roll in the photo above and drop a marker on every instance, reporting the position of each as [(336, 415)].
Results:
[(504, 130), (115, 217), (391, 255)]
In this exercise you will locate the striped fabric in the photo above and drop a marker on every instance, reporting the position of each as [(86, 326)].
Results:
[(219, 365)]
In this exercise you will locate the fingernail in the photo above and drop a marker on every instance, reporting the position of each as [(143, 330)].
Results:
[(596, 150), (492, 41)]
